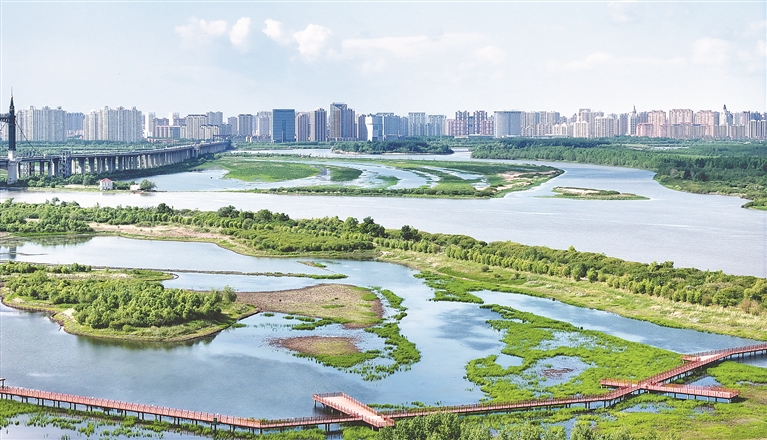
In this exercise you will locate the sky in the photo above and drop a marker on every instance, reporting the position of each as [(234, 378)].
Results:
[(434, 57)]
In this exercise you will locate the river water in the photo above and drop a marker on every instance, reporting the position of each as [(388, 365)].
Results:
[(693, 230), (238, 372)]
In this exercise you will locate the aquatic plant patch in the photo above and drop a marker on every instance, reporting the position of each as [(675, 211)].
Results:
[(538, 341)]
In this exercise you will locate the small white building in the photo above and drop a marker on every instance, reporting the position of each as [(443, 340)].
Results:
[(106, 185), (135, 187)]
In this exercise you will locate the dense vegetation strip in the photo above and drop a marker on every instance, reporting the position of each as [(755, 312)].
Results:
[(723, 168), (126, 304), (412, 146), (277, 233)]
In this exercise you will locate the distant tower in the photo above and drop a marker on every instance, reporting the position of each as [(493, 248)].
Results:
[(10, 119)]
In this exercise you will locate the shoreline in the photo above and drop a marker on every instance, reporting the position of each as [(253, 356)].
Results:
[(66, 323)]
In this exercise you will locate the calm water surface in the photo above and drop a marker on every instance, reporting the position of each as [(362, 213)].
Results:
[(238, 372), (703, 231)]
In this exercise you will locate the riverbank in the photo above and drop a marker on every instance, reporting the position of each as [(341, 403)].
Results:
[(744, 320), (116, 305), (460, 278)]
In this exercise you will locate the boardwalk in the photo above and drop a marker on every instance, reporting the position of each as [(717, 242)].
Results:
[(351, 406), (352, 410)]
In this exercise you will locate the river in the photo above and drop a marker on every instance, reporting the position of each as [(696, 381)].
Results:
[(692, 230), (237, 372)]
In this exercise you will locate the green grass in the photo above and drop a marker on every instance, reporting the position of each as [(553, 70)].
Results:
[(251, 169), (448, 185), (527, 335), (343, 174)]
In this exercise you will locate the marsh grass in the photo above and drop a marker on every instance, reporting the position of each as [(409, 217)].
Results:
[(250, 170), (343, 174), (455, 280), (537, 339)]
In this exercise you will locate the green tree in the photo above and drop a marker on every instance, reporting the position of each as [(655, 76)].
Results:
[(582, 431), (147, 185)]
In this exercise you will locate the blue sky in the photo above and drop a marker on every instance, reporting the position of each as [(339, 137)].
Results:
[(436, 57)]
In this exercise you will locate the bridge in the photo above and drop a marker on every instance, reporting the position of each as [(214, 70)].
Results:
[(350, 410), (66, 164)]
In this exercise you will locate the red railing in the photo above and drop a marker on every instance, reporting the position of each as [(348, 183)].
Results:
[(625, 387)]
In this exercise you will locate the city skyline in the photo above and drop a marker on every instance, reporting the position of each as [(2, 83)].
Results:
[(342, 123), (394, 57)]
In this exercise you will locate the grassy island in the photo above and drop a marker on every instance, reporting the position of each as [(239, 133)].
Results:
[(353, 307), (126, 304), (445, 179), (593, 194)]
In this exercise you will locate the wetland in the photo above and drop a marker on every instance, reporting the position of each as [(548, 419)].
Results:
[(509, 342)]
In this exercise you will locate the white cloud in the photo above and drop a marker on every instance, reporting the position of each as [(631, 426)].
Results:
[(605, 62), (274, 30), (239, 33), (711, 51), (312, 40), (199, 31), (622, 11), (410, 47), (490, 54)]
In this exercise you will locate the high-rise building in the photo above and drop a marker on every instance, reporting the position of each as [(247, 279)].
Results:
[(303, 127), (232, 122), (194, 124), (416, 124), (392, 126), (245, 125), (318, 125), (44, 124), (283, 125), (215, 118), (120, 124), (436, 125), (507, 123), (708, 119), (149, 124), (263, 124), (680, 116), (75, 124), (658, 120), (362, 128), (341, 122), (374, 126), (482, 124), (604, 126)]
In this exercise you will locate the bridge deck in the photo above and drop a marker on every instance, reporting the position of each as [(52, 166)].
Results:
[(356, 411), (353, 407)]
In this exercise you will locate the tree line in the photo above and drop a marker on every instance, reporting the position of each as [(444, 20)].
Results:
[(701, 169), (277, 233), (393, 146), (112, 302)]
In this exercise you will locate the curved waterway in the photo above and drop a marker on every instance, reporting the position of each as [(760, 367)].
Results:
[(238, 372), (693, 230)]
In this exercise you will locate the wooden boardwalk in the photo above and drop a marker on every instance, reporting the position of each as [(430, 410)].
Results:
[(351, 410), (351, 406)]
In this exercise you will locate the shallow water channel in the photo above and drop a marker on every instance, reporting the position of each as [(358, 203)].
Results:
[(693, 230), (238, 372)]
